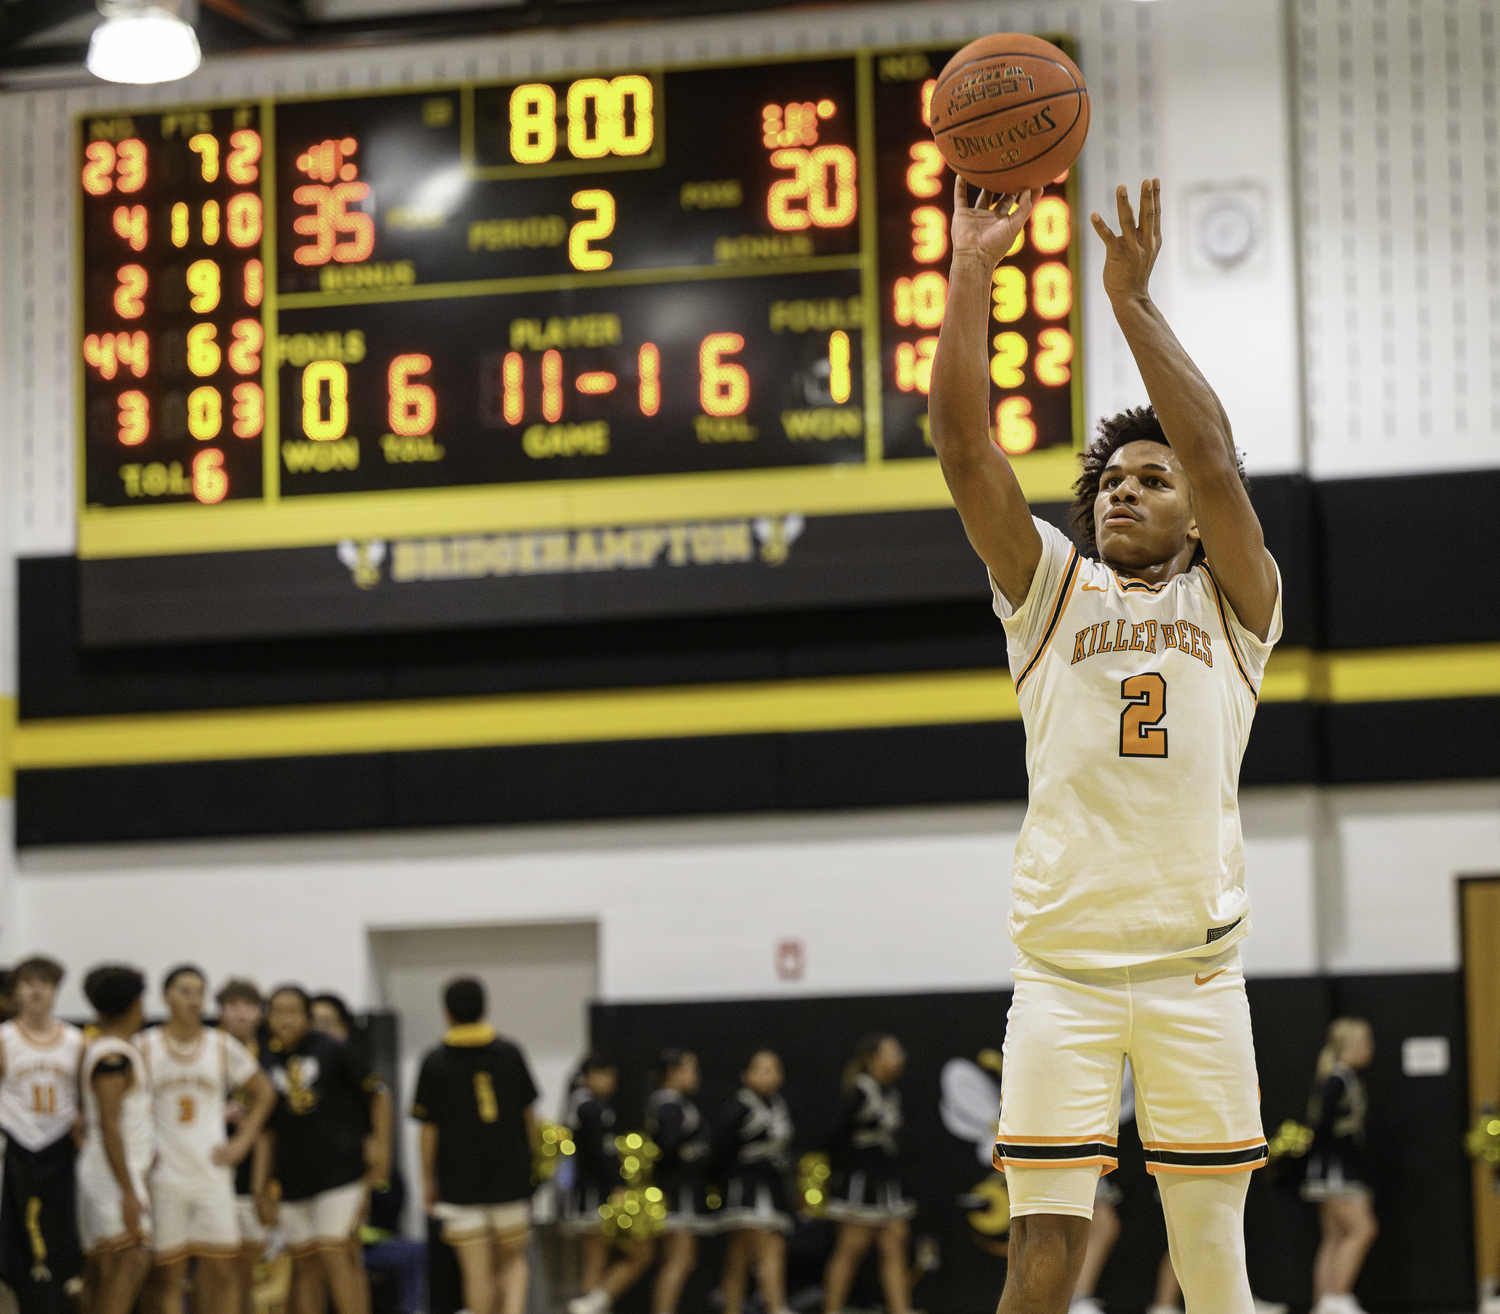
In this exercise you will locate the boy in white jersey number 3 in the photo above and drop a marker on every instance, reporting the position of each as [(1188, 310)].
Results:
[(1137, 667), (192, 1069)]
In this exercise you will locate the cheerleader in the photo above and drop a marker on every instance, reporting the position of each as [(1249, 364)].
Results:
[(675, 1124), (591, 1115), (752, 1137), (1337, 1172), (865, 1196)]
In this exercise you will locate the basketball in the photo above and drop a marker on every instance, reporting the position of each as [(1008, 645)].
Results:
[(1010, 112)]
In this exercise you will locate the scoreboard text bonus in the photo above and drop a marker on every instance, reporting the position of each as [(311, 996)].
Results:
[(644, 274)]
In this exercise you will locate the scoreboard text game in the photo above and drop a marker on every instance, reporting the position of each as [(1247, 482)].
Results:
[(533, 338)]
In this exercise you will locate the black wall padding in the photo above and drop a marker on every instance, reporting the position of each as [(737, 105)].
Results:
[(58, 678), (1422, 1260), (1409, 561), (499, 786), (1291, 743), (1425, 739)]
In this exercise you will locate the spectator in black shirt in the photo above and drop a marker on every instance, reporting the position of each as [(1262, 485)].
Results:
[(474, 1100), (865, 1195), (675, 1123), (242, 1013), (752, 1139), (317, 1151), (591, 1115), (1338, 1176)]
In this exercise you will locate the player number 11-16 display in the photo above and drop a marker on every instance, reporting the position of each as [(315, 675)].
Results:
[(637, 274)]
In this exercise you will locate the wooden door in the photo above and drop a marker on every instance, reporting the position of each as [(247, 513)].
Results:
[(1480, 904)]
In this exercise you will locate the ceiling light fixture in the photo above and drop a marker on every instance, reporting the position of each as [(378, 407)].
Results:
[(144, 41)]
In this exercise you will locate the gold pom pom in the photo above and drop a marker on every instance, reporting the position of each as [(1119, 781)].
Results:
[(813, 1172), (554, 1143)]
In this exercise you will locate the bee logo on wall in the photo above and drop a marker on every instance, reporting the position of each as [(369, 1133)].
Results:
[(970, 1110), (776, 535), (363, 561)]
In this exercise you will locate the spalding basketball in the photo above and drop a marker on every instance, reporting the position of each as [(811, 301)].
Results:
[(1010, 112)]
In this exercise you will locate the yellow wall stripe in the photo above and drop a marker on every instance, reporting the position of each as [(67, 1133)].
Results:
[(1470, 670), (768, 707), (7, 745), (840, 703)]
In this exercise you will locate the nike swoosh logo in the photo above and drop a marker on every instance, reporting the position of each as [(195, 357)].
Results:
[(1091, 588), (1204, 980)]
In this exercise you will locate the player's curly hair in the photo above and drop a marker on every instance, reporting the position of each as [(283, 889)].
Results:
[(1135, 424)]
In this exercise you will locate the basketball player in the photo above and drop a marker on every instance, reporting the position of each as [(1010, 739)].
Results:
[(317, 1151), (193, 1068), (1136, 664), (241, 1012), (114, 1214), (474, 1101), (39, 1251)]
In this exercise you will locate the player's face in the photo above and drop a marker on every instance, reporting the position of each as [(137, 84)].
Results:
[(287, 1018), (685, 1074), (1143, 513), (185, 998), (764, 1074), (1361, 1049), (34, 995), (888, 1062), (325, 1018), (240, 1018), (602, 1081)]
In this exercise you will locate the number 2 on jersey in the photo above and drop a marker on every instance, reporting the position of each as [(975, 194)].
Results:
[(1146, 699), (484, 1097)]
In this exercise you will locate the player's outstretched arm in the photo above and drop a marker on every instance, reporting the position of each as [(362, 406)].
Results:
[(1192, 418), (984, 487)]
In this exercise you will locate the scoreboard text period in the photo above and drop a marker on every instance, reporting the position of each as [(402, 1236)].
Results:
[(540, 304)]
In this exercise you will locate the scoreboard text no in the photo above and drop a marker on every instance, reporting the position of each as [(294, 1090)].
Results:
[(571, 298)]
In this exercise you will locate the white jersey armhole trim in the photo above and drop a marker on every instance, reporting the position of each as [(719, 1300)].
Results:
[(1236, 633)]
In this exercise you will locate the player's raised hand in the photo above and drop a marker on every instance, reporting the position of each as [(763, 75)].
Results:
[(993, 223), (1128, 258)]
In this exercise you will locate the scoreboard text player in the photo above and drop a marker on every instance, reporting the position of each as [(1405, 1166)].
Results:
[(549, 305)]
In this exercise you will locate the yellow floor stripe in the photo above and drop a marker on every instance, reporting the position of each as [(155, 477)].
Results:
[(769, 707)]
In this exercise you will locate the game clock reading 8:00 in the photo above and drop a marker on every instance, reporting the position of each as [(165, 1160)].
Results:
[(634, 274)]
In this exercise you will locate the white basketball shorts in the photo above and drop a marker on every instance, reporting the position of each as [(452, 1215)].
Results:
[(1185, 1025), (327, 1219), (194, 1217), (252, 1230), (101, 1220), (471, 1222)]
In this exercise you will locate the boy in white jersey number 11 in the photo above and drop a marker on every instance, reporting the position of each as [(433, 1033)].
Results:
[(1137, 666)]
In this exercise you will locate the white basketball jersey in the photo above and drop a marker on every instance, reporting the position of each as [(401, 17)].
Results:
[(39, 1095), (1137, 700), (135, 1110), (190, 1086)]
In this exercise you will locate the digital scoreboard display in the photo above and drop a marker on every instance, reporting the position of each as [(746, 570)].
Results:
[(387, 328)]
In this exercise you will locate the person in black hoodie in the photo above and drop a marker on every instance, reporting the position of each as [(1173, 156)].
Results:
[(865, 1194), (591, 1115), (674, 1122), (752, 1139)]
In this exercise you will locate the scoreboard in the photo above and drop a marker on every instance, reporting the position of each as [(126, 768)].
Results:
[(359, 326)]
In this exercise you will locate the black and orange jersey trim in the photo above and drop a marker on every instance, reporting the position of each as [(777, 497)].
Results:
[(1064, 591), (1203, 1159), (1054, 1152), (1234, 648), (1130, 585)]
